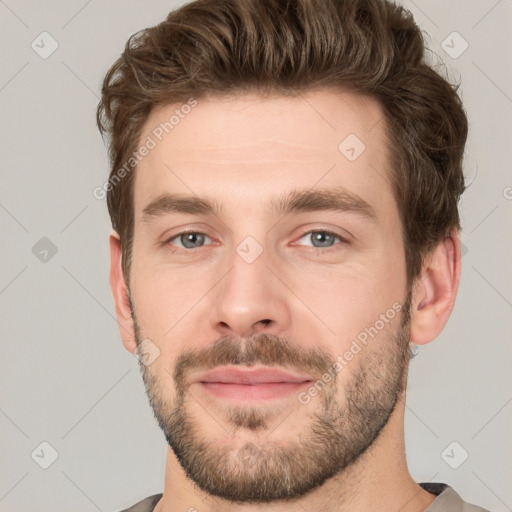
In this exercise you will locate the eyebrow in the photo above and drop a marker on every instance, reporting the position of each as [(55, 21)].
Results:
[(336, 199)]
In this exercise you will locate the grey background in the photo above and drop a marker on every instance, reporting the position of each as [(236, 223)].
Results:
[(65, 377)]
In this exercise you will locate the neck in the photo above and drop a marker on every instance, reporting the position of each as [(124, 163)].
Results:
[(379, 479)]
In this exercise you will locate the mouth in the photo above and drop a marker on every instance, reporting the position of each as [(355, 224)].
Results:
[(254, 384)]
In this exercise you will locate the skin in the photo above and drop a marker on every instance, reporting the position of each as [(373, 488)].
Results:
[(242, 150)]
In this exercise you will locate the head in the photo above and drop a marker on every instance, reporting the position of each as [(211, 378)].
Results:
[(263, 118)]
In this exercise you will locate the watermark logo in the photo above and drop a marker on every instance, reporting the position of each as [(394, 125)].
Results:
[(248, 455), (44, 250), (351, 147), (44, 455), (454, 455), (249, 249), (146, 352), (454, 45), (44, 45)]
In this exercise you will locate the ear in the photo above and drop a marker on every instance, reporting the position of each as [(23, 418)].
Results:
[(434, 293), (119, 291)]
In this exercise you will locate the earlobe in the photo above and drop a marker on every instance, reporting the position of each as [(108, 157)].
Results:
[(120, 294), (435, 291)]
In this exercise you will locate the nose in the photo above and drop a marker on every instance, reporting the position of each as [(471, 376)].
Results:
[(250, 300)]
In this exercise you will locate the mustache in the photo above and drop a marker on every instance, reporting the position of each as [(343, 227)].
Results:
[(265, 349)]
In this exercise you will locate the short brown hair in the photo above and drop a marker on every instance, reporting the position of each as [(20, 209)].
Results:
[(370, 47)]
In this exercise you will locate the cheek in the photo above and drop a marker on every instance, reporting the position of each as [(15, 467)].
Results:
[(346, 300), (164, 295), (164, 301), (351, 298)]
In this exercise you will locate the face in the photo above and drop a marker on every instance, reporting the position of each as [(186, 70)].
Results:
[(280, 249)]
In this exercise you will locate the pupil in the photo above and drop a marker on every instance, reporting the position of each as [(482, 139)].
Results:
[(192, 238), (322, 237)]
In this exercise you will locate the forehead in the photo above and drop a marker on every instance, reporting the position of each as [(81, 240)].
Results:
[(243, 148)]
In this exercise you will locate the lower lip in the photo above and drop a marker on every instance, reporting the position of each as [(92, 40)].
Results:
[(253, 391)]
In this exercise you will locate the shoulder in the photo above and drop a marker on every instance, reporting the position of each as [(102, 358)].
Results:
[(448, 499), (146, 505)]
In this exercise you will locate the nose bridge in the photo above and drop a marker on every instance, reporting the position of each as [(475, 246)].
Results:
[(249, 298)]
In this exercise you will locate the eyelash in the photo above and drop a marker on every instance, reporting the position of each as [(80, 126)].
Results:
[(321, 249)]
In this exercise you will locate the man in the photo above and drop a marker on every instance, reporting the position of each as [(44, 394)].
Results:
[(283, 191)]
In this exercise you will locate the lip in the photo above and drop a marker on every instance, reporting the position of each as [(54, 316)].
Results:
[(255, 384), (250, 376)]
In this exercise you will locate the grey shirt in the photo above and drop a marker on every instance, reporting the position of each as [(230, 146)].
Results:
[(447, 501)]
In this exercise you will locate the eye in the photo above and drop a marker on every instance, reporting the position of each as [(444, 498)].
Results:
[(319, 239), (322, 239), (188, 240)]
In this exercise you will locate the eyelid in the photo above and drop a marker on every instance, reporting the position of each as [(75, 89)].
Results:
[(342, 238), (184, 232)]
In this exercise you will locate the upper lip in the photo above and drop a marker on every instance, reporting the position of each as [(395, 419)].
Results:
[(262, 375)]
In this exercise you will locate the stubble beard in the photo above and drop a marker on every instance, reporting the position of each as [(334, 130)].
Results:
[(339, 426)]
